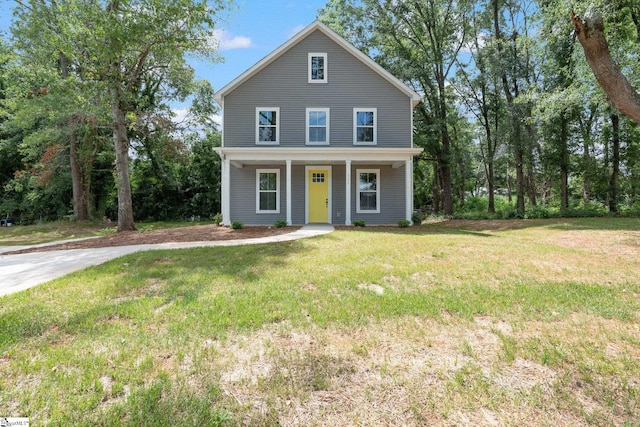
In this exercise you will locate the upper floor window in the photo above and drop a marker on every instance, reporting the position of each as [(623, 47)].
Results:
[(317, 68), (268, 126), (365, 126), (317, 126)]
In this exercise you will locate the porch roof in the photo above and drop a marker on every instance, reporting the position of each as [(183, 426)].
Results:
[(308, 155)]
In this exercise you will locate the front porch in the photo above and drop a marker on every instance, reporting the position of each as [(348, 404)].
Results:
[(374, 184)]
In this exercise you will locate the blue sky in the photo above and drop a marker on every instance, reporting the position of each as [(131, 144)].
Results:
[(247, 33)]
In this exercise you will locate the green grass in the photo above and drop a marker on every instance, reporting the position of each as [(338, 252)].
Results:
[(525, 322), (65, 230), (50, 231)]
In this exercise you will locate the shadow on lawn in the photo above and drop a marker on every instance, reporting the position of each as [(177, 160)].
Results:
[(133, 286), (487, 228)]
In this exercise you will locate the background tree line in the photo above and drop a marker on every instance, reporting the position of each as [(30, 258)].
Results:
[(86, 127), (513, 122)]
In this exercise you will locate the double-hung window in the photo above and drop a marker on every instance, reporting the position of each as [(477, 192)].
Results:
[(317, 126), (365, 130), (317, 67), (268, 191), (267, 126), (368, 191)]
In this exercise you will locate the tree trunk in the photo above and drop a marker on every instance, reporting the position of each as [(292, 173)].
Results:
[(492, 188), (621, 94), (615, 163), (121, 143), (520, 181), (564, 164), (435, 188), (445, 158), (517, 144), (80, 191)]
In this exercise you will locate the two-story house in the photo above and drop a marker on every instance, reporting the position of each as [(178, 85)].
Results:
[(317, 132)]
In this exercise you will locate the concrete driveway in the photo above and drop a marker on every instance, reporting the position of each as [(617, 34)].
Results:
[(23, 271)]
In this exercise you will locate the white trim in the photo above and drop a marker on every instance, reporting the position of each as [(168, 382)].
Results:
[(317, 154), (306, 191), (347, 211), (408, 192), (258, 172), (355, 126), (327, 126), (316, 25), (377, 172), (288, 191), (277, 111), (322, 55), (226, 192)]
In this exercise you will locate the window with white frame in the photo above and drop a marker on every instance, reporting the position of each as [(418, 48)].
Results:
[(365, 126), (317, 126), (268, 191), (368, 191), (317, 68), (267, 125)]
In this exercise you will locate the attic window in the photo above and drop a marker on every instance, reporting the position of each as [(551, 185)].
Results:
[(317, 68)]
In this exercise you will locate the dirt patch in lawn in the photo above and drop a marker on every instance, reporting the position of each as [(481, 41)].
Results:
[(197, 233)]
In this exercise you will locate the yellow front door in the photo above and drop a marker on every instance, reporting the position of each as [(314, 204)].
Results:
[(318, 180)]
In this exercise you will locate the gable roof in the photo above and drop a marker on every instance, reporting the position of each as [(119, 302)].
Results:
[(316, 26)]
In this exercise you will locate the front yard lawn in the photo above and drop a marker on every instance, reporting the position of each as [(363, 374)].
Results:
[(456, 323)]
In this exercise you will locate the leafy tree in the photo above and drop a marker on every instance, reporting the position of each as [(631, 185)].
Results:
[(124, 47), (418, 41)]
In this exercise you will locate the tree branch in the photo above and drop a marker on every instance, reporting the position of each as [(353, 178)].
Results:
[(590, 33)]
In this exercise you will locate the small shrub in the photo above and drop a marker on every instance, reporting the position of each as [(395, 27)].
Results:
[(217, 218), (404, 223), (537, 212), (359, 222), (280, 224), (236, 225), (417, 218)]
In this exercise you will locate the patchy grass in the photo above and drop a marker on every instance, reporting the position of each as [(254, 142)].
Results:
[(65, 230), (452, 323), (50, 232)]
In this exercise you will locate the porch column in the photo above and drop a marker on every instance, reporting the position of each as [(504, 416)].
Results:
[(347, 198), (288, 192), (225, 192), (408, 185)]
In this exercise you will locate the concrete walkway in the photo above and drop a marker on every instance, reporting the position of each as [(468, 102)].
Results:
[(23, 271)]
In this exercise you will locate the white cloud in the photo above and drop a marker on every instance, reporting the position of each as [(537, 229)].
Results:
[(180, 115), (183, 117), (227, 41), (295, 30), (217, 118)]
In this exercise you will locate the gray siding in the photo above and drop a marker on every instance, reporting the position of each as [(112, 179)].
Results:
[(243, 200), (297, 194), (351, 84)]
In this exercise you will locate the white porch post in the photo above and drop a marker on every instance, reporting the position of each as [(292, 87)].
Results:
[(347, 210), (408, 185), (225, 190), (288, 192)]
